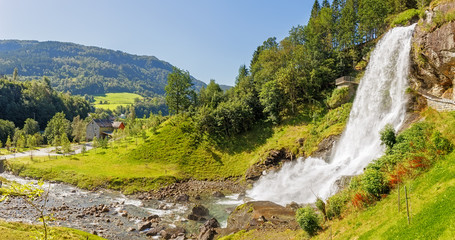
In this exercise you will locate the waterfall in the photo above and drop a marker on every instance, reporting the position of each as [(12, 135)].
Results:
[(380, 100)]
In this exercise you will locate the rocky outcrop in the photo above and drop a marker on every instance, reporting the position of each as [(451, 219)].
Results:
[(325, 147), (260, 215), (273, 161), (433, 54)]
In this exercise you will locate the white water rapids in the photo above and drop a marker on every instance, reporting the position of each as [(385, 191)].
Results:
[(380, 100)]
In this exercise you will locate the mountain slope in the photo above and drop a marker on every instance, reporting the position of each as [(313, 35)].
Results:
[(85, 70)]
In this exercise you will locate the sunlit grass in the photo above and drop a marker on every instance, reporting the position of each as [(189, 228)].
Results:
[(115, 99)]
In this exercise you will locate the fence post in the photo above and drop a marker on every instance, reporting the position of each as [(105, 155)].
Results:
[(407, 205)]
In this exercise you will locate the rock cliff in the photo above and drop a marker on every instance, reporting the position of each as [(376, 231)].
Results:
[(433, 55)]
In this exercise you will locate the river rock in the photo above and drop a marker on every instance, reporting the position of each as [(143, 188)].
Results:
[(154, 231), (144, 226), (182, 198), (207, 231), (253, 215), (198, 213), (218, 194)]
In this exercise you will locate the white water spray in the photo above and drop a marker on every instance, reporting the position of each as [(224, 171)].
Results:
[(380, 100)]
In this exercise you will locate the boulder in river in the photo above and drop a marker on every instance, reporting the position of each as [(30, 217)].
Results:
[(253, 215), (198, 213), (207, 231)]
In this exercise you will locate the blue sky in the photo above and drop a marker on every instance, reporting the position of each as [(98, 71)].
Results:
[(209, 38)]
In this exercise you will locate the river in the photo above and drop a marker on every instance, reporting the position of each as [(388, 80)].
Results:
[(111, 214)]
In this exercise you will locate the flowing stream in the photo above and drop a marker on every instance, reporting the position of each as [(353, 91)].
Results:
[(70, 205), (380, 100)]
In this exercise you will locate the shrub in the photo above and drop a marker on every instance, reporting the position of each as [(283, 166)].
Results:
[(308, 220), (374, 182), (405, 17), (336, 204), (388, 137), (339, 96)]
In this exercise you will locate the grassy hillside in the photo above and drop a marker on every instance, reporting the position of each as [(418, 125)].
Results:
[(12, 230), (172, 153), (431, 193), (113, 100)]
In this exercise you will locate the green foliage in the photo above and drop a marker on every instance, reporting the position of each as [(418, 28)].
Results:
[(6, 129), (308, 220), (86, 70), (31, 126), (178, 92), (56, 127), (404, 18), (37, 100), (388, 137), (336, 204), (339, 96), (374, 182)]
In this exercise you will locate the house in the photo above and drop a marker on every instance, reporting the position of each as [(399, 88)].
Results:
[(101, 128)]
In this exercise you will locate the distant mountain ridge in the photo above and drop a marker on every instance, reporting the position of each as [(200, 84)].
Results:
[(82, 69)]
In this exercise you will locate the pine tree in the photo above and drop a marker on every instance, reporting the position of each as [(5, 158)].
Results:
[(325, 4), (315, 10)]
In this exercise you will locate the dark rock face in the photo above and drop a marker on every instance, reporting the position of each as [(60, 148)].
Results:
[(198, 213), (273, 161), (325, 147), (433, 54)]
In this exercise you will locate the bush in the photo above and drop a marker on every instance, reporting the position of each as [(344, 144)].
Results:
[(339, 97), (308, 220), (388, 137), (374, 182), (336, 204), (405, 17)]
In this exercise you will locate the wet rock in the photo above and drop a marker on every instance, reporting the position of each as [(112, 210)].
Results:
[(182, 198), (273, 161), (124, 213), (253, 215), (154, 231), (207, 231), (325, 147), (218, 194), (144, 226), (198, 213), (153, 218)]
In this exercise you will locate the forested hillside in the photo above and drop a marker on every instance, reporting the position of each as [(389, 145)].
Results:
[(85, 70), (37, 100)]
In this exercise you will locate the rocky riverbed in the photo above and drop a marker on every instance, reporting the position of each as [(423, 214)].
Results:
[(114, 216)]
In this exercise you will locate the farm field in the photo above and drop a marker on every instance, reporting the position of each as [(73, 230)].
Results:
[(115, 99)]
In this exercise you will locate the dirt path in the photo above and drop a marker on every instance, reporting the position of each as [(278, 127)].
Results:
[(49, 151)]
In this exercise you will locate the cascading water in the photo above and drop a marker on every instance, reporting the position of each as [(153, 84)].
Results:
[(380, 100)]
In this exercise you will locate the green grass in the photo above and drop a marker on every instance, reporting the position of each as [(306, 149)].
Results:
[(13, 231), (404, 18), (115, 99), (173, 153)]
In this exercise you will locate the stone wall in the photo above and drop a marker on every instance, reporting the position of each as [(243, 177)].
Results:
[(441, 106)]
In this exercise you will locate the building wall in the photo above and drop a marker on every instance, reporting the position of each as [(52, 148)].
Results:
[(93, 130)]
